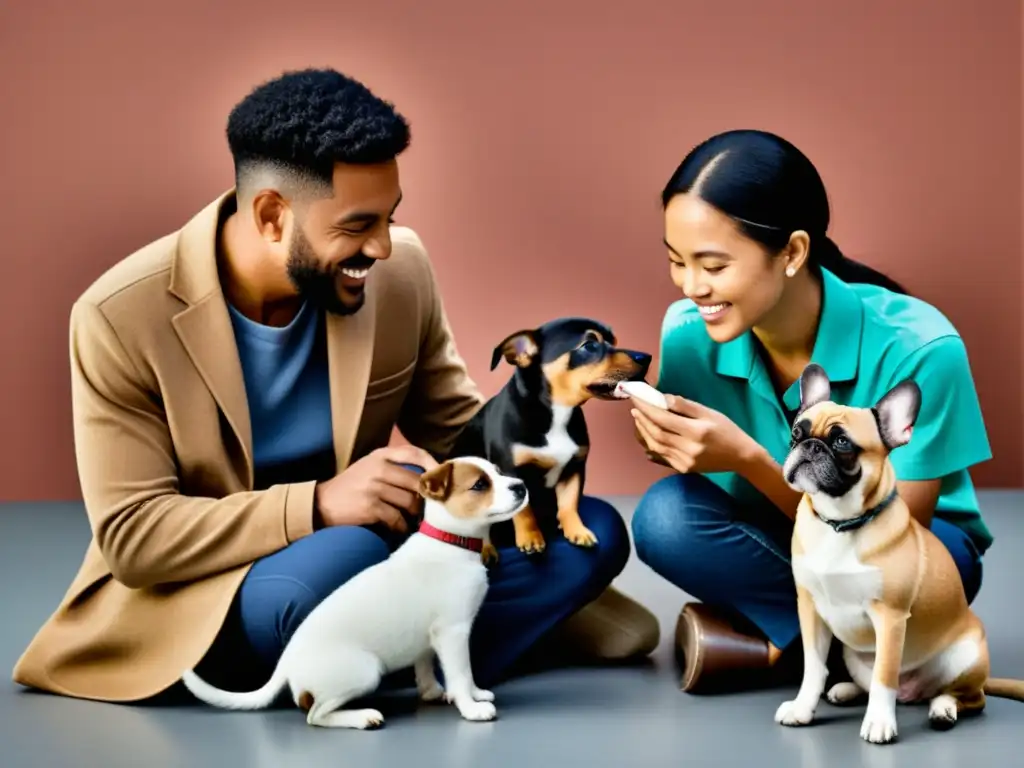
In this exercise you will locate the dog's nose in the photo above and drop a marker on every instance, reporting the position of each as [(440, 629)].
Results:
[(518, 489), (639, 357)]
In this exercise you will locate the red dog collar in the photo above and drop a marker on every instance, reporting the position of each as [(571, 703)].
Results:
[(466, 542)]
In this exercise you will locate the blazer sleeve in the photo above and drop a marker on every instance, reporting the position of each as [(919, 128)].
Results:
[(148, 532), (443, 397)]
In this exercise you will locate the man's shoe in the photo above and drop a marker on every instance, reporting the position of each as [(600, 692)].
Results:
[(612, 628)]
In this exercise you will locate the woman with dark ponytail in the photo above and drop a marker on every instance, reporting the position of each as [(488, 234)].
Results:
[(767, 292)]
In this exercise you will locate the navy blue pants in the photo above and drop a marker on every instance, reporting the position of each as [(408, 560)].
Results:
[(528, 595), (695, 535)]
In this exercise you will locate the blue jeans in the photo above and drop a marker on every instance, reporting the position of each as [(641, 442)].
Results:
[(693, 533), (529, 595)]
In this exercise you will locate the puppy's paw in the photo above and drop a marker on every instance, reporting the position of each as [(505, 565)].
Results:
[(942, 712), (844, 693), (370, 719), (360, 719), (489, 554), (433, 692), (794, 713), (579, 534), (479, 694), (878, 727), (477, 711), (530, 542)]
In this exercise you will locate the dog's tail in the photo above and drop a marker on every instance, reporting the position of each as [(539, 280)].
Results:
[(1005, 688), (258, 699)]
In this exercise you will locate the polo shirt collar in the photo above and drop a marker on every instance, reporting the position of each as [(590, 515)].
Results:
[(836, 348)]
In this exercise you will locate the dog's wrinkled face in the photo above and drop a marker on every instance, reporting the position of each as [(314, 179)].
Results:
[(840, 452), (577, 357), (471, 492)]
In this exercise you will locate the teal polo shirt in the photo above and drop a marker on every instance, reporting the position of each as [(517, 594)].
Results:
[(868, 340)]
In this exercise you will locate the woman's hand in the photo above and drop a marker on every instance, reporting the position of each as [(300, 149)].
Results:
[(690, 437)]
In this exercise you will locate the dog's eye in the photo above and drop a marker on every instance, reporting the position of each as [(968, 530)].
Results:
[(480, 485), (841, 444)]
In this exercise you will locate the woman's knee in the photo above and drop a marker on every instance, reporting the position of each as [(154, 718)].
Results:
[(964, 553), (670, 521)]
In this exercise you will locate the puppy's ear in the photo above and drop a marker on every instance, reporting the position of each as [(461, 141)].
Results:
[(896, 413), (436, 484), (814, 386), (607, 333), (518, 349)]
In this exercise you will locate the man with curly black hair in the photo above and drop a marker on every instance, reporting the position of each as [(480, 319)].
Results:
[(235, 388), (320, 149)]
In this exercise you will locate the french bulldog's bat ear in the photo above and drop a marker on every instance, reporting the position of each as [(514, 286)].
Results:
[(814, 386), (518, 349), (896, 413)]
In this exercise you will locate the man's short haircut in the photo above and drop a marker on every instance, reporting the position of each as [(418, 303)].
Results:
[(293, 130)]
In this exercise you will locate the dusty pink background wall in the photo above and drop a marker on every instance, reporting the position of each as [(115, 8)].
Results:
[(543, 132)]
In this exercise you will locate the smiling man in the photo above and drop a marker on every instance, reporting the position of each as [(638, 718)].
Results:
[(235, 387)]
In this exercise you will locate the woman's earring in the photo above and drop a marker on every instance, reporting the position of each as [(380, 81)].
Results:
[(790, 271)]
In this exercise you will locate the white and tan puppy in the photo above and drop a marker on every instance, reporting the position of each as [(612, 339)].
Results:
[(871, 575), (420, 601)]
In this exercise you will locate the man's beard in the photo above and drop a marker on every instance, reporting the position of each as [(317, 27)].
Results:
[(318, 284)]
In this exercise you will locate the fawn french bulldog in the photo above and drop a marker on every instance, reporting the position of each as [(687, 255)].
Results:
[(869, 574)]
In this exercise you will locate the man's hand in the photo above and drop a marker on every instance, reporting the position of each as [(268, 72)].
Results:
[(374, 490)]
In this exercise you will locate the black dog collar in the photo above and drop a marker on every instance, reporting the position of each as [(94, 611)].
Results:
[(840, 526)]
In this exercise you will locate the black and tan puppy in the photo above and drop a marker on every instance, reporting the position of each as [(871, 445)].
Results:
[(534, 427)]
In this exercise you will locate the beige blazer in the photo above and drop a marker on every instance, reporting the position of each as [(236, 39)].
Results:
[(164, 451)]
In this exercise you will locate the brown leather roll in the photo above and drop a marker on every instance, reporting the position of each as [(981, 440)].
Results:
[(714, 653)]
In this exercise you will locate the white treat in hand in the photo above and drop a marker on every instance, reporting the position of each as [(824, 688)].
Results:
[(641, 390)]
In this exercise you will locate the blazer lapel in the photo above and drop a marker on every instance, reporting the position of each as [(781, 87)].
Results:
[(204, 326), (350, 352), (205, 331)]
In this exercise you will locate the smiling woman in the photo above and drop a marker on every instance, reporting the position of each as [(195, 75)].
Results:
[(766, 293)]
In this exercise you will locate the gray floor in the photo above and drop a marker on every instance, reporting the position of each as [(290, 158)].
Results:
[(573, 718)]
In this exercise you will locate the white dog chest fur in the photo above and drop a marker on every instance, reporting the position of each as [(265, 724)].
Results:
[(558, 448), (842, 587)]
